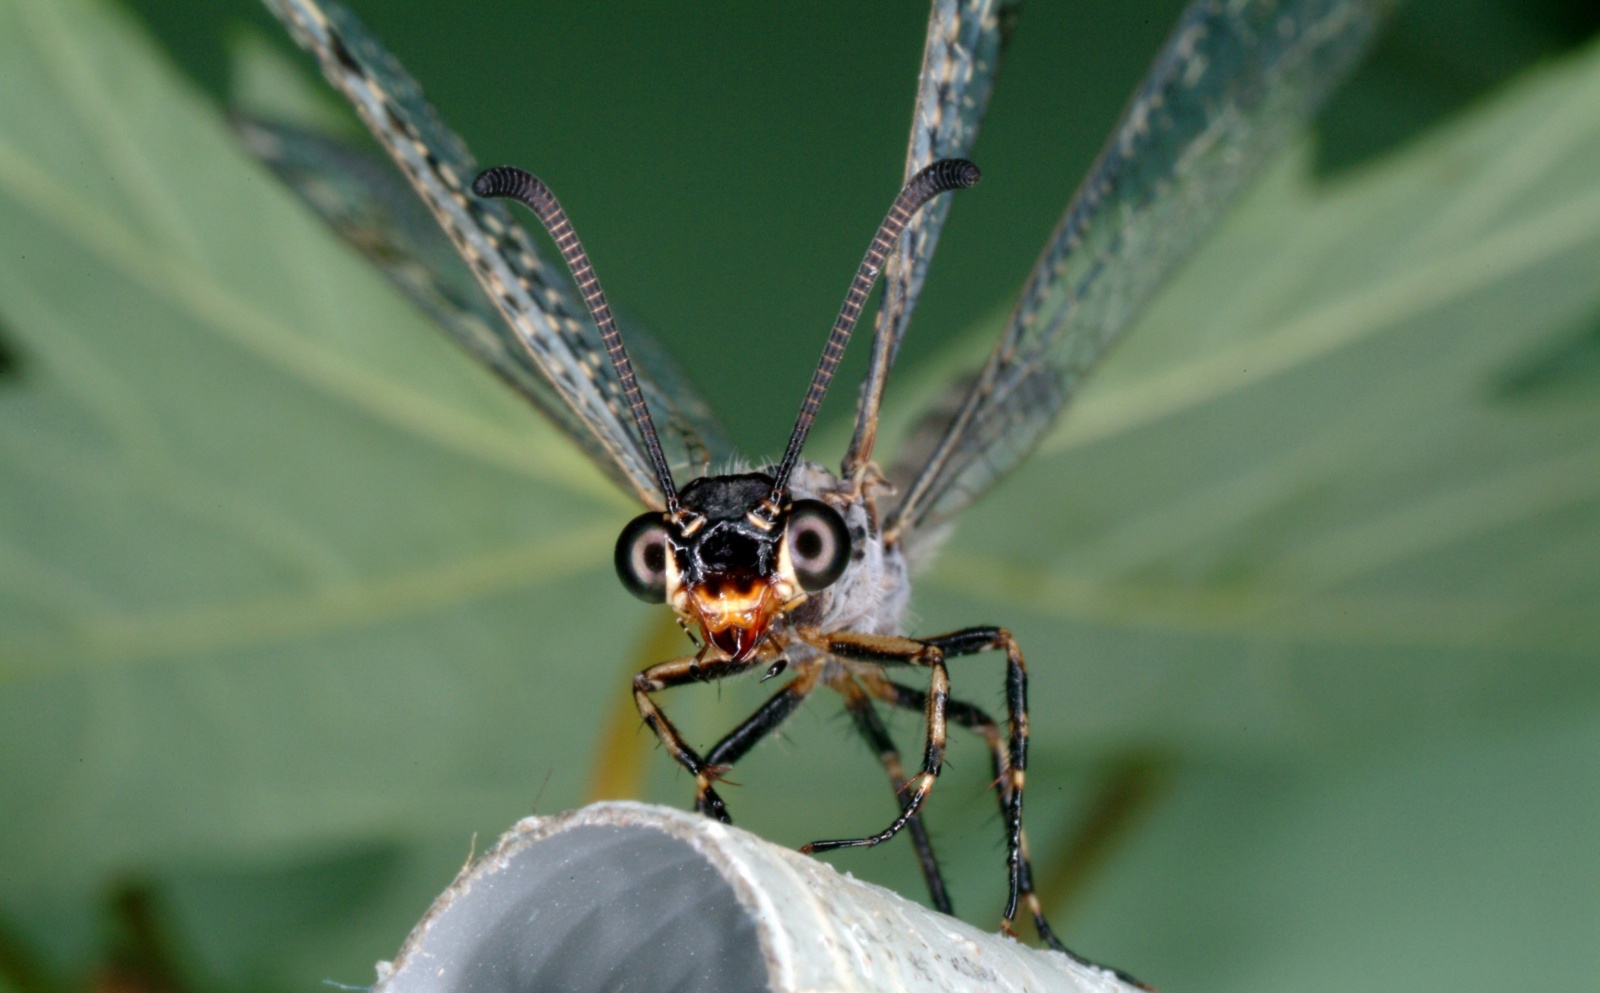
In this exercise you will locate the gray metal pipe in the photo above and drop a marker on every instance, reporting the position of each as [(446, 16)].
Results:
[(628, 898)]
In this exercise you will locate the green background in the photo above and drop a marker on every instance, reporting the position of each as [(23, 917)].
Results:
[(294, 600)]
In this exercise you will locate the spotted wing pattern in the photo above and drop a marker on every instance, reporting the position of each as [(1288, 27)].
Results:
[(1235, 81), (363, 199), (521, 318), (959, 62)]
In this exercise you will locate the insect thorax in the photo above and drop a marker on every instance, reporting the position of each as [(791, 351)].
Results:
[(872, 595)]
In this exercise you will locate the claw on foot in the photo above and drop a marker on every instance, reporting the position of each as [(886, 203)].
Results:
[(715, 774)]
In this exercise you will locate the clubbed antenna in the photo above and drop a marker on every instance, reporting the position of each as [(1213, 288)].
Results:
[(530, 191), (941, 176)]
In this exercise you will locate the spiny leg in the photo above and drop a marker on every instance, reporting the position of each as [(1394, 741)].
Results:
[(741, 739), (1009, 761), (971, 641), (1012, 771), (689, 669), (975, 719), (905, 651), (871, 727)]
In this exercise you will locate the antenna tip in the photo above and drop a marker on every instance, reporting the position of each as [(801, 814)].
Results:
[(943, 175), (964, 173), (500, 181)]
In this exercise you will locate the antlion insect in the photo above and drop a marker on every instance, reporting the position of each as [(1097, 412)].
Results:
[(792, 568)]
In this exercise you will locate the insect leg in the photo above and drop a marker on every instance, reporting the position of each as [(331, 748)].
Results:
[(689, 669), (904, 651), (970, 641), (741, 739), (871, 727), (978, 721), (975, 719)]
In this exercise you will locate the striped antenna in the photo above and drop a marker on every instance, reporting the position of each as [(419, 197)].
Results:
[(941, 176), (530, 191)]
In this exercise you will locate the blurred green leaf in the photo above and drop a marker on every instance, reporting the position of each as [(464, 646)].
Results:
[(1460, 862), (271, 546)]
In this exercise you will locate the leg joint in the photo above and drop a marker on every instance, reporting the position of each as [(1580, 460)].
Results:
[(971, 641)]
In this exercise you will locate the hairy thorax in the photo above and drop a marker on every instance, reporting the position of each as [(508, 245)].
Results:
[(872, 595)]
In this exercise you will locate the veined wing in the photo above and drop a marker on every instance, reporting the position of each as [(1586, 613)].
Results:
[(365, 201), (521, 318), (1235, 81), (959, 61)]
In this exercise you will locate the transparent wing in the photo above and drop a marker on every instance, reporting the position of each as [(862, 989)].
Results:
[(367, 203), (959, 61), (1235, 81), (475, 270)]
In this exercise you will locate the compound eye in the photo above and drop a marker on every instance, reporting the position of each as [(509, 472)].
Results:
[(642, 558), (819, 544)]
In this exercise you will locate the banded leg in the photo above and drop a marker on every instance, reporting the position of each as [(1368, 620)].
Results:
[(970, 641), (976, 720), (689, 669), (741, 739), (903, 651), (871, 727)]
